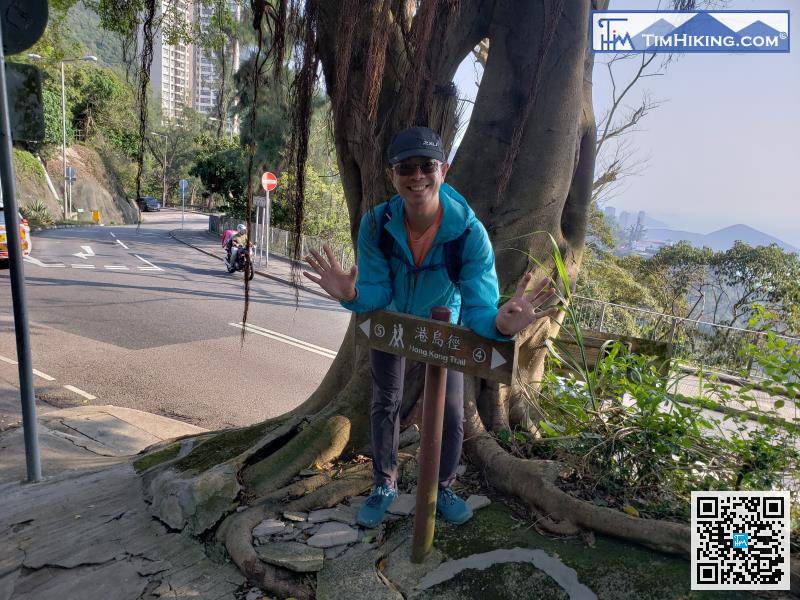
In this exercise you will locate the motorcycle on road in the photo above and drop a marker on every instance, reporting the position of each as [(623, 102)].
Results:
[(243, 261)]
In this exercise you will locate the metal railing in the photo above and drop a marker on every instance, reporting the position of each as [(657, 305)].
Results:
[(715, 346)]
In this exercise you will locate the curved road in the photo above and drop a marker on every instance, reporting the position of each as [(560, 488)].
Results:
[(134, 318)]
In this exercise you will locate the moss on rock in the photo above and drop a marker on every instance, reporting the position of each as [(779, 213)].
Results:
[(158, 457)]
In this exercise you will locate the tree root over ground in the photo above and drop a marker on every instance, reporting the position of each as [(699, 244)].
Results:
[(534, 482), (236, 533)]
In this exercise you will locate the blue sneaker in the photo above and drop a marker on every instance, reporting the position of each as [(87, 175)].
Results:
[(372, 512), (452, 508)]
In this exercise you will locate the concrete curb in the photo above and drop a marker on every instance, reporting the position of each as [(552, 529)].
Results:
[(257, 272)]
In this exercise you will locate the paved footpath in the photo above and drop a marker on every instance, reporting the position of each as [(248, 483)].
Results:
[(85, 531)]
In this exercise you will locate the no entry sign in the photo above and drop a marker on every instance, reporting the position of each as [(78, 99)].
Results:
[(438, 343), (268, 181)]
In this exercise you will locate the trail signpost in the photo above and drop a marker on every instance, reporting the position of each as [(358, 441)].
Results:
[(441, 346)]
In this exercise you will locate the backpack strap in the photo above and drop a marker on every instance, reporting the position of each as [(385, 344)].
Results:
[(385, 240), (454, 256)]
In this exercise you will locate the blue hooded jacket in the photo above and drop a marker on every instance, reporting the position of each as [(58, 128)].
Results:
[(415, 290)]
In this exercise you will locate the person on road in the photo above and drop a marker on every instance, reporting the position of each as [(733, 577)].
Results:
[(232, 240), (425, 214)]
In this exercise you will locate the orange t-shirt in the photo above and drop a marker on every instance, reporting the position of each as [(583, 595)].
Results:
[(421, 244)]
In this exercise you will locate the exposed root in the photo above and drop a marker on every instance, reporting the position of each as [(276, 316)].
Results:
[(319, 443), (534, 483), (236, 534), (560, 528), (299, 488), (333, 493)]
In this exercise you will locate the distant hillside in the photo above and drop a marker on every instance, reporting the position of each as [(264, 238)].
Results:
[(722, 239), (84, 26)]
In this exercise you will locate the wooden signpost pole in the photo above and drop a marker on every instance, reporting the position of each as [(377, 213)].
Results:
[(430, 448)]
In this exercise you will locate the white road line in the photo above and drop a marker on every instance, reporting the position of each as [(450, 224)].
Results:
[(35, 372), (80, 392), (279, 337), (39, 263), (144, 260), (121, 243), (44, 376), (82, 266), (112, 234), (117, 268), (149, 269)]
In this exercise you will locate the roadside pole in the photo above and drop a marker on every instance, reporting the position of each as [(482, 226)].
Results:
[(183, 184), (269, 182), (430, 448), (255, 233), (266, 226), (17, 276)]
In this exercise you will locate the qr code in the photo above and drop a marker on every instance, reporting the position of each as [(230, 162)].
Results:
[(740, 540)]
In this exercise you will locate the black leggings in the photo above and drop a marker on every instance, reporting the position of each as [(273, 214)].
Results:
[(387, 395)]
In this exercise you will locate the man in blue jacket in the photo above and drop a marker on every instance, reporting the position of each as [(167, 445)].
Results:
[(426, 214)]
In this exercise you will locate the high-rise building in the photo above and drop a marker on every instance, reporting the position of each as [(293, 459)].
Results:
[(171, 72), (610, 214), (184, 75), (207, 77)]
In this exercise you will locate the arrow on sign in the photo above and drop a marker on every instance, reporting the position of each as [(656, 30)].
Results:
[(497, 359), (365, 327), (87, 251)]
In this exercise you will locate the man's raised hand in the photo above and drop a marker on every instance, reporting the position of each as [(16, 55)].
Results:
[(525, 308), (330, 276)]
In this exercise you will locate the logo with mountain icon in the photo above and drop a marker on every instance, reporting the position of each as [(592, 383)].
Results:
[(690, 31)]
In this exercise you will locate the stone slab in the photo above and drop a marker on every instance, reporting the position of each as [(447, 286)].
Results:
[(476, 502), (333, 534), (403, 505), (293, 556), (268, 527), (295, 516)]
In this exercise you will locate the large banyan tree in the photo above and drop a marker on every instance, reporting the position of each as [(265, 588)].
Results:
[(525, 164)]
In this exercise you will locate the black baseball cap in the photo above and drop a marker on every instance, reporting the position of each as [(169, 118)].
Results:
[(415, 141)]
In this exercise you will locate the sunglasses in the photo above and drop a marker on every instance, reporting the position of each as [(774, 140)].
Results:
[(405, 169)]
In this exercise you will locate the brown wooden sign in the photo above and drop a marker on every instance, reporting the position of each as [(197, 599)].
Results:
[(438, 343)]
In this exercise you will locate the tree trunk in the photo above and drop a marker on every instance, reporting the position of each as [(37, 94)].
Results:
[(525, 166)]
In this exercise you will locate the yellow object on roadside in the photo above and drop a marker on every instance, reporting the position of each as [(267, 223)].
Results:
[(96, 216)]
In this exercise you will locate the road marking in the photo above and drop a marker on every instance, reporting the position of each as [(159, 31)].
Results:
[(279, 337), (152, 267), (39, 263), (80, 392), (82, 266), (117, 268), (121, 243), (35, 372), (112, 234), (44, 376), (87, 251)]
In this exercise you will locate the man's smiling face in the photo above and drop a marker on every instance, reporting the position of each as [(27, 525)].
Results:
[(417, 187)]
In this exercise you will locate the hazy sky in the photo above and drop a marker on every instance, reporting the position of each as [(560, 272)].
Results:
[(724, 147)]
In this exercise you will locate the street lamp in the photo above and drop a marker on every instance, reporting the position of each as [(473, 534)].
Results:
[(88, 58), (164, 176)]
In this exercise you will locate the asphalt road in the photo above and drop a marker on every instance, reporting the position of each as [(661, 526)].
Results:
[(133, 318)]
